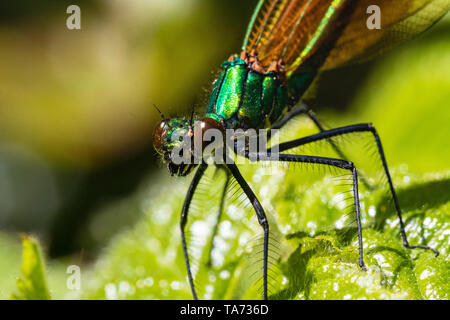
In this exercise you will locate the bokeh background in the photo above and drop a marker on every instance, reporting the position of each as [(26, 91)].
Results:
[(77, 115)]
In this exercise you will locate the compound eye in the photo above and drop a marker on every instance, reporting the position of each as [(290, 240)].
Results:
[(202, 127), (158, 135)]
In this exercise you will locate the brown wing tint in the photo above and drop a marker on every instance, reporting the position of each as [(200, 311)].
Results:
[(294, 30), (400, 20), (290, 29)]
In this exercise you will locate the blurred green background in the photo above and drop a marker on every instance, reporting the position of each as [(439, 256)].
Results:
[(76, 111)]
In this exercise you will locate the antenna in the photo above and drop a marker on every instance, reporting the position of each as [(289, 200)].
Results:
[(161, 114), (191, 120)]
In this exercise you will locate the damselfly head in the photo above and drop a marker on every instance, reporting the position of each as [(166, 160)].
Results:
[(174, 140)]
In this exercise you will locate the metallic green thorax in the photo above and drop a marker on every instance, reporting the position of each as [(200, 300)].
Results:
[(245, 98)]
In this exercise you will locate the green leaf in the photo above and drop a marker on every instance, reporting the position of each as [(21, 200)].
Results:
[(33, 285), (146, 262)]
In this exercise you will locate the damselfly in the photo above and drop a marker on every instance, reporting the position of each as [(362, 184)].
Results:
[(287, 44)]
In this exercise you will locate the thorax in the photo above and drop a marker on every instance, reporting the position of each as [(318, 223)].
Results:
[(247, 96)]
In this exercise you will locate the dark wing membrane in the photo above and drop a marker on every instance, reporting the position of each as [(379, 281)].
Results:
[(400, 20), (334, 32), (290, 29)]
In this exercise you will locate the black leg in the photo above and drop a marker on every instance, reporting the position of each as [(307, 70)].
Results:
[(343, 164), (261, 215), (184, 214), (316, 121), (365, 127), (303, 109), (219, 215)]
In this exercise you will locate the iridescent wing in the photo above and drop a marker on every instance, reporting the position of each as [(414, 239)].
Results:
[(400, 21), (334, 32), (290, 30)]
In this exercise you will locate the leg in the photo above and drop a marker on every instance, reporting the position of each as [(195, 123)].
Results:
[(261, 215), (343, 164), (184, 214), (316, 121), (216, 225), (360, 128), (303, 109)]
